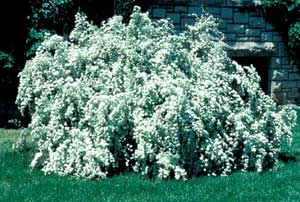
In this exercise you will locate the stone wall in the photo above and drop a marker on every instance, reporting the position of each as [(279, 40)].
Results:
[(247, 34)]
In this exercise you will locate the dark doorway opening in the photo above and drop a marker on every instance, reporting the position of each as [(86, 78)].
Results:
[(261, 65)]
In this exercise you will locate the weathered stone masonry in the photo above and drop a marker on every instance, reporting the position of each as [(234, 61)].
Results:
[(250, 39)]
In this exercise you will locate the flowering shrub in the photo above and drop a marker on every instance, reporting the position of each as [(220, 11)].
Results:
[(140, 98)]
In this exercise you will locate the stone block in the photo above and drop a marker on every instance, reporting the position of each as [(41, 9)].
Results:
[(257, 22), (222, 30), (227, 13), (275, 86), (184, 1), (229, 3), (279, 97), (184, 15), (286, 67), (175, 17), (295, 90), (294, 93), (177, 26), (155, 2), (285, 61), (214, 2), (191, 2), (282, 49), (269, 27), (181, 9), (170, 9), (257, 2), (241, 18), (237, 2), (289, 84), (252, 32), (222, 25), (254, 14), (278, 74), (245, 3), (234, 28), (213, 10), (230, 37), (196, 10), (248, 39), (294, 68), (286, 90), (294, 76), (179, 30), (275, 62), (277, 37), (228, 20), (250, 49), (256, 39), (266, 36), (159, 12), (187, 21)]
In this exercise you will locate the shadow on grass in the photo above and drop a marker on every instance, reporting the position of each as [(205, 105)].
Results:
[(287, 157)]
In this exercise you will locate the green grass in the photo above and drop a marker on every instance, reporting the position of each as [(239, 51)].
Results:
[(19, 183)]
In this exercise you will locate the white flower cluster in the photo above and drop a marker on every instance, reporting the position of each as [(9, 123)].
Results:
[(138, 97)]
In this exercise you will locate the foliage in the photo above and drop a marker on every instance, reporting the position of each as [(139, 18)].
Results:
[(6, 60), (34, 40), (47, 17), (124, 8), (294, 35), (47, 10), (290, 4), (285, 15), (139, 97), (57, 16)]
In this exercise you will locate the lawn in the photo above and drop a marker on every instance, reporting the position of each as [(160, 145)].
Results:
[(19, 183)]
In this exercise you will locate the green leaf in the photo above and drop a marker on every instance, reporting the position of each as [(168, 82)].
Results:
[(6, 60)]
